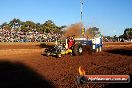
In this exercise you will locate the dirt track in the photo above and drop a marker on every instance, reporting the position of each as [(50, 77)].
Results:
[(22, 68)]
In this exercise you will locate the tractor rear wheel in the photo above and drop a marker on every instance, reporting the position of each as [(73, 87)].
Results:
[(100, 48), (88, 49), (77, 49), (97, 50)]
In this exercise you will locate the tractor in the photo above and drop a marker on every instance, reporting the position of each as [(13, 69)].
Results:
[(75, 46), (69, 47)]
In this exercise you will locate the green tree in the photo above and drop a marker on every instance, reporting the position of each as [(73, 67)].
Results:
[(28, 26), (92, 32), (39, 27), (127, 33), (15, 23), (49, 26), (3, 25), (7, 27), (107, 38)]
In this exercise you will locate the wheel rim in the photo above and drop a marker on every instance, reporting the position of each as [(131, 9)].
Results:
[(80, 50), (100, 49), (59, 55), (97, 50), (48, 54)]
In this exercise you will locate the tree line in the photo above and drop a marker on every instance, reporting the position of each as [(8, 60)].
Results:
[(127, 35), (49, 26), (18, 25)]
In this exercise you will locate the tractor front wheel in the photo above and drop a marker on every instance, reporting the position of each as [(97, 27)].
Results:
[(47, 53), (59, 55), (97, 50), (77, 49)]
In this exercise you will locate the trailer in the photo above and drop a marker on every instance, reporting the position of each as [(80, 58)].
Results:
[(94, 44)]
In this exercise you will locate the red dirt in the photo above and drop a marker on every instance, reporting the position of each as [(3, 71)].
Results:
[(73, 30), (62, 72)]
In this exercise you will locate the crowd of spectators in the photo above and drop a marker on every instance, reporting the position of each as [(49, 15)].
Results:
[(32, 36)]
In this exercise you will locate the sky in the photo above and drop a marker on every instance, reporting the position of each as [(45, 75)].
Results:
[(111, 16)]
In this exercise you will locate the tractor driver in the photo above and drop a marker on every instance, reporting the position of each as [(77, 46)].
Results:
[(70, 42)]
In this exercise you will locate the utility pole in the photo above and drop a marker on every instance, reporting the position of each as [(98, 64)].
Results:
[(82, 28)]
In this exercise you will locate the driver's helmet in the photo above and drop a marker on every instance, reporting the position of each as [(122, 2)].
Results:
[(73, 36)]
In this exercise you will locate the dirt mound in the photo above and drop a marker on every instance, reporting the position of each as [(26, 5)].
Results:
[(73, 30)]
